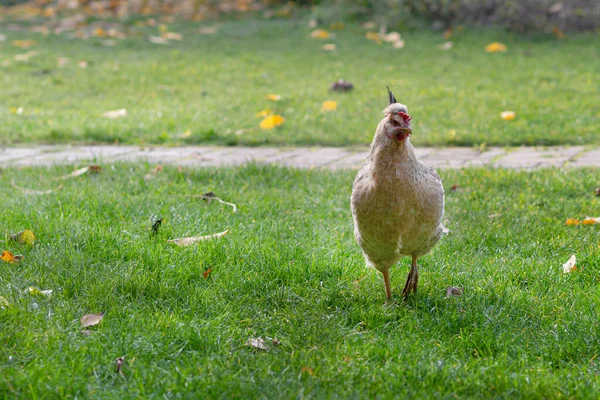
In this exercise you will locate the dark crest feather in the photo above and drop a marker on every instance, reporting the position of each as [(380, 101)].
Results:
[(391, 96)]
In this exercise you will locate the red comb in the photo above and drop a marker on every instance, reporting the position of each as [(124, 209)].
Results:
[(404, 116)]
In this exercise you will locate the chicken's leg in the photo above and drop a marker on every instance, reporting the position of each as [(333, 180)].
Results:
[(413, 279), (386, 280)]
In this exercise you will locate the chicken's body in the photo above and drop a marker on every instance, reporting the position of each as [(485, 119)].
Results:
[(397, 203)]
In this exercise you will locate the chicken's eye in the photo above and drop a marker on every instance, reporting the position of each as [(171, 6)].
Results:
[(395, 123)]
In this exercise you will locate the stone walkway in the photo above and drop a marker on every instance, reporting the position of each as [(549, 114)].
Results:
[(318, 157)]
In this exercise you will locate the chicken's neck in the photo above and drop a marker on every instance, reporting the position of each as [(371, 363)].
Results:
[(392, 154)]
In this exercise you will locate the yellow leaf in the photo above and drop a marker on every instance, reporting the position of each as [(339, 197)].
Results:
[(508, 115), (337, 26), (49, 12), (24, 44), (329, 105), (591, 221), (264, 113), (273, 97), (319, 34), (572, 221), (25, 236), (32, 290), (272, 121), (558, 33), (100, 32), (9, 257), (448, 33), (570, 265), (163, 28), (495, 47), (374, 37)]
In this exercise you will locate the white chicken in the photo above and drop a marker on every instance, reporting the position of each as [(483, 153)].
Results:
[(397, 201)]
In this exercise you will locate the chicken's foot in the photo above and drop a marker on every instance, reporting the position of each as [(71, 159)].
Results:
[(388, 288), (413, 279)]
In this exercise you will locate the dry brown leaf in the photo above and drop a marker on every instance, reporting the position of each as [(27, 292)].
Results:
[(257, 343), (81, 171), (191, 240), (26, 236), (308, 370), (374, 36), (398, 44), (119, 362), (172, 36), (558, 33), (114, 114), (82, 64), (570, 265), (155, 171), (26, 56), (391, 37), (158, 40), (208, 30), (91, 319), (448, 33), (446, 46), (210, 196), (206, 273), (454, 291), (35, 192), (329, 47)]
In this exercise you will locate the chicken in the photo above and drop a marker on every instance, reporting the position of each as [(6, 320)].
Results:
[(397, 201)]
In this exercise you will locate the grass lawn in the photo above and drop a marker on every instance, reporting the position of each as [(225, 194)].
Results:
[(208, 88), (290, 269)]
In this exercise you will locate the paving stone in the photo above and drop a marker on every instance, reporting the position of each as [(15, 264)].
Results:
[(9, 155), (532, 157), (461, 157), (350, 161), (312, 158), (587, 159)]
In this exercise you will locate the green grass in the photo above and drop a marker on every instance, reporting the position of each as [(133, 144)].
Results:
[(213, 86), (290, 269)]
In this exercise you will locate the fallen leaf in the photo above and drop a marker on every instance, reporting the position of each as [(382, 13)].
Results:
[(63, 61), (558, 33), (257, 343), (391, 37), (35, 192), (369, 25), (445, 230), (454, 187), (119, 362), (82, 64), (329, 105), (337, 26), (398, 45), (319, 34), (26, 56), (308, 370), (91, 319), (341, 86), (273, 97), (276, 342), (9, 257), (2, 37), (208, 30), (448, 33), (26, 236), (572, 221), (495, 47), (114, 114), (38, 292), (155, 171), (93, 169), (158, 40), (591, 221), (86, 332), (598, 192), (454, 291), (100, 32), (272, 121), (556, 8), (4, 303), (206, 273), (570, 265), (210, 196), (446, 46), (491, 216), (24, 44), (374, 36), (329, 47), (508, 115), (264, 113), (191, 240), (172, 36)]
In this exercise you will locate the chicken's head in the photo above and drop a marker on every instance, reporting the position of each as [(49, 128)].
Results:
[(397, 120)]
